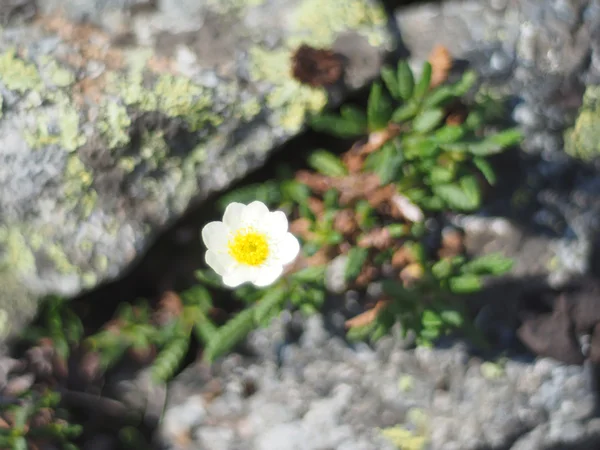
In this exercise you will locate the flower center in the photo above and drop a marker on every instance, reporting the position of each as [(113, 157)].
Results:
[(249, 247)]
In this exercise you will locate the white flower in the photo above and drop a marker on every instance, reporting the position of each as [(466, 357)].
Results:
[(251, 244)]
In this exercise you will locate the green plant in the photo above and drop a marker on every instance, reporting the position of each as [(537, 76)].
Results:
[(419, 150), (34, 421)]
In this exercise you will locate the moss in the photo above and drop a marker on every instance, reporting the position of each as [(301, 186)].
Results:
[(248, 109), (18, 75), (153, 148), (114, 125), (292, 99), (582, 141), (317, 23), (14, 250)]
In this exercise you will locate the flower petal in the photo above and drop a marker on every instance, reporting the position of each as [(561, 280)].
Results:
[(233, 214), (288, 248), (268, 275), (214, 262), (278, 222), (238, 275), (214, 235), (255, 214)]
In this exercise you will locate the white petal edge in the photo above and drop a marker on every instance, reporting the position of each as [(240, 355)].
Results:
[(214, 262), (268, 275), (255, 214), (278, 223), (238, 275), (233, 214), (288, 248), (215, 235)]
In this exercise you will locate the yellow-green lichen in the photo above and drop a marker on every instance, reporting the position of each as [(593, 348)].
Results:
[(414, 436), (582, 141), (226, 7), (14, 250), (55, 74), (174, 96), (406, 383), (17, 75), (289, 98), (60, 260), (114, 125), (78, 191), (318, 22), (63, 131)]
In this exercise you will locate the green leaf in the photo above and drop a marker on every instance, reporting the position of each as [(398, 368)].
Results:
[(169, 359), (385, 163), (486, 169), (406, 80), (337, 126), (431, 319), (496, 143), (403, 296), (354, 115), (428, 120), (327, 163), (230, 334), (448, 134), (441, 174), (465, 196), (465, 284), (268, 192), (20, 443), (204, 329), (491, 264), (442, 269), (465, 83), (452, 317), (422, 86), (440, 96), (295, 191), (388, 76), (356, 259), (361, 333), (420, 148), (273, 299), (379, 109), (405, 112), (313, 274)]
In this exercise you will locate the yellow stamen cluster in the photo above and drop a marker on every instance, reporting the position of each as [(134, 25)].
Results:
[(249, 247)]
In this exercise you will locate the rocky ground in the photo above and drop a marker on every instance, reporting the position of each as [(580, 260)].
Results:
[(298, 385)]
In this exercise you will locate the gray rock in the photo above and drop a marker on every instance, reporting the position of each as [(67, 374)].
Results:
[(326, 395), (111, 128)]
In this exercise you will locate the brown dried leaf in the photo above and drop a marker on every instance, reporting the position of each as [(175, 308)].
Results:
[(441, 63), (316, 206), (381, 195), (301, 227), (357, 186), (402, 258), (345, 222), (367, 274), (452, 243), (316, 67), (367, 317), (316, 182), (411, 274), (378, 238), (170, 307), (403, 207)]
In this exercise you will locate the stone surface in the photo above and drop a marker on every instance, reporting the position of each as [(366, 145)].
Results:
[(540, 56), (110, 128), (327, 395)]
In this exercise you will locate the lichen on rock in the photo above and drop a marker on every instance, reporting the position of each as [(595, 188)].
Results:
[(582, 141)]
